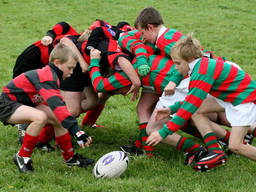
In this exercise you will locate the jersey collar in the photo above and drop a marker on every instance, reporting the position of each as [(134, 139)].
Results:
[(192, 65), (57, 70)]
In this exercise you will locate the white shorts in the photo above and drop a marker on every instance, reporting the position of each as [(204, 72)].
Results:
[(240, 115), (179, 95)]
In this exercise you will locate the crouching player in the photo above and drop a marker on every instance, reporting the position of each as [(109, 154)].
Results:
[(22, 102), (232, 88)]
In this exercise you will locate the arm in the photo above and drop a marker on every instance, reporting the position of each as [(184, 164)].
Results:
[(55, 102), (103, 84), (200, 86), (132, 42), (84, 66), (128, 69)]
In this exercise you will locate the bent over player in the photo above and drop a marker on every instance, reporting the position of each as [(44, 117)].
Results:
[(232, 88), (22, 102)]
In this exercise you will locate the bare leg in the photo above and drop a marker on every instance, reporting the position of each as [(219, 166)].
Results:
[(58, 129), (203, 124), (154, 125), (236, 143), (89, 99), (73, 102), (26, 114), (146, 106)]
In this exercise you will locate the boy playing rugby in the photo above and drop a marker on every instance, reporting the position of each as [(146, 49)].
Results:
[(22, 102), (233, 91)]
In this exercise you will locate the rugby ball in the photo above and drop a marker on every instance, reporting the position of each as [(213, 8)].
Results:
[(111, 165)]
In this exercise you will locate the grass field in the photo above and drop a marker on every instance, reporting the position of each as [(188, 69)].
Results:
[(225, 27)]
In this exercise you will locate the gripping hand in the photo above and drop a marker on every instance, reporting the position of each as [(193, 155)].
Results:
[(143, 70), (82, 138)]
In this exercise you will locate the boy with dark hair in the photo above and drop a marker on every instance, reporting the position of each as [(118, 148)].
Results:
[(22, 102), (150, 24)]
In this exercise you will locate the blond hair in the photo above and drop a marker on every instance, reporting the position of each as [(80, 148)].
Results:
[(187, 48), (63, 53)]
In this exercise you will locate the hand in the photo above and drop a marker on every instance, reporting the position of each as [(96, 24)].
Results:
[(83, 139), (154, 138), (170, 88), (162, 113), (135, 90), (143, 70), (46, 40), (95, 54)]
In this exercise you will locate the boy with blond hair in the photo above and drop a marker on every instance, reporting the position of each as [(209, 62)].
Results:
[(232, 91), (22, 101)]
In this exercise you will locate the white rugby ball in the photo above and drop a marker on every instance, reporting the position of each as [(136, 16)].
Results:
[(111, 165)]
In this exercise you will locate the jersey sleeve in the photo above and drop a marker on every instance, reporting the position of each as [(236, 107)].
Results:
[(132, 42), (51, 94), (103, 84), (61, 28), (199, 86), (175, 76)]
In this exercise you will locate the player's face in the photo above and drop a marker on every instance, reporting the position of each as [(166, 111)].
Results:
[(181, 66), (148, 34), (67, 67)]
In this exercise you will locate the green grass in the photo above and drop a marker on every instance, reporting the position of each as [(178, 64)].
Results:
[(225, 27)]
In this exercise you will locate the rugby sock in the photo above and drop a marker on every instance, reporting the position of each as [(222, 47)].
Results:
[(148, 149), (142, 133), (46, 134), (187, 145), (211, 143), (29, 143), (65, 144), (92, 115)]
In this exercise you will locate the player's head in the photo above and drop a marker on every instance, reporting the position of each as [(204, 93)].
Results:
[(185, 51), (124, 26), (64, 58), (147, 22)]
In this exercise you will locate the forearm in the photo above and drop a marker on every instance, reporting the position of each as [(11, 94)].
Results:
[(69, 43), (128, 69), (103, 84)]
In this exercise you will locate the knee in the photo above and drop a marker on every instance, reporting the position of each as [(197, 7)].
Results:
[(197, 116), (74, 112), (92, 104), (41, 118), (235, 147)]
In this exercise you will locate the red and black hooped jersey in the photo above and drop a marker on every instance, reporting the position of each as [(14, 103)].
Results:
[(111, 31), (36, 55), (62, 28), (44, 82), (110, 50)]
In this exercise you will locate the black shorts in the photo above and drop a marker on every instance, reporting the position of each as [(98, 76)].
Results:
[(7, 108), (77, 82)]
